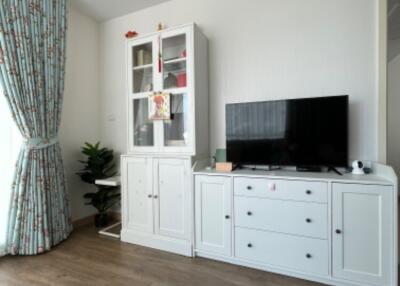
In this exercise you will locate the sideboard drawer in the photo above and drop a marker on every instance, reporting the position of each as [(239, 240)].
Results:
[(300, 218), (309, 191), (298, 253)]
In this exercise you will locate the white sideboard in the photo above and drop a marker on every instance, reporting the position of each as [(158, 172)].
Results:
[(338, 230)]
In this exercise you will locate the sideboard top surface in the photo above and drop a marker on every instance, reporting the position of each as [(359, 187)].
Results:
[(310, 176)]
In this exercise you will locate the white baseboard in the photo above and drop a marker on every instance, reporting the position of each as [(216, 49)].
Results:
[(177, 246), (275, 269)]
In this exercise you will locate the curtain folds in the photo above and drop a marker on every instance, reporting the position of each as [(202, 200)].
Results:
[(32, 66)]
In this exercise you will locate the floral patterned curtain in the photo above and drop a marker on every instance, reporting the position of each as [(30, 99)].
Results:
[(32, 64)]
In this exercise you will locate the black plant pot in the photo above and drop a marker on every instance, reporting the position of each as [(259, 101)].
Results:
[(101, 220)]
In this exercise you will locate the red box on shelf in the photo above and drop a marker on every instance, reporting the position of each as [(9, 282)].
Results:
[(181, 80)]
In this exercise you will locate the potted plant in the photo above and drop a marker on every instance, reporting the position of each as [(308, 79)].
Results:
[(99, 164)]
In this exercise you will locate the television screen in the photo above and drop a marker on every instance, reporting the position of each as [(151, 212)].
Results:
[(294, 132)]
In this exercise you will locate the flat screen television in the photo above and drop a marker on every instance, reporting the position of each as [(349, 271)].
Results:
[(294, 132)]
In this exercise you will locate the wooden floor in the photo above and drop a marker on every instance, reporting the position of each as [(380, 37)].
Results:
[(88, 259)]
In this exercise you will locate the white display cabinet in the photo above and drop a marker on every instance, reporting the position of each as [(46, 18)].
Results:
[(157, 193)]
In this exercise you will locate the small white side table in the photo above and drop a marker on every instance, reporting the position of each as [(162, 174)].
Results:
[(115, 182)]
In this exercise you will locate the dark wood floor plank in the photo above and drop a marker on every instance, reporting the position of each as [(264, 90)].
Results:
[(89, 259)]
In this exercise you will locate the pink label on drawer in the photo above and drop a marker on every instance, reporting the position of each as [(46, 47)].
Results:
[(271, 187)]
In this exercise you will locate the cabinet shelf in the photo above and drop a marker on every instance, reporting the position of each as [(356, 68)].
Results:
[(174, 67), (175, 143), (176, 90), (172, 61), (140, 94), (142, 67)]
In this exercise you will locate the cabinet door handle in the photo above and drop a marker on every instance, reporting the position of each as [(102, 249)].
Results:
[(249, 188), (249, 245), (338, 231), (308, 220), (249, 213), (227, 217), (149, 195), (308, 255), (155, 196), (308, 192)]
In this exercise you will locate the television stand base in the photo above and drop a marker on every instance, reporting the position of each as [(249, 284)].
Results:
[(255, 168), (316, 169), (334, 170)]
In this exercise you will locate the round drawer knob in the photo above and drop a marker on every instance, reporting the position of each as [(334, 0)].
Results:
[(249, 245), (308, 255), (227, 217), (249, 213), (155, 196), (308, 192), (308, 220), (249, 187), (149, 196), (338, 231)]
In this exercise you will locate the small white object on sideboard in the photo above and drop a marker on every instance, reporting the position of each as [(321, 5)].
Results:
[(338, 230)]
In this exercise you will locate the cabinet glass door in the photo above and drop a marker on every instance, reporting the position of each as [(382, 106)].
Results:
[(143, 128), (174, 61), (149, 73), (142, 67), (176, 130)]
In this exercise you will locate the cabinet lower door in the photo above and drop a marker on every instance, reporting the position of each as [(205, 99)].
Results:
[(173, 197), (213, 212), (362, 235), (137, 203)]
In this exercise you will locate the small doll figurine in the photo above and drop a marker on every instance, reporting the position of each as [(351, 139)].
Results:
[(160, 27)]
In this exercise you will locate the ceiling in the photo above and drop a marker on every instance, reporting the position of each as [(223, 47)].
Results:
[(394, 19), (103, 10)]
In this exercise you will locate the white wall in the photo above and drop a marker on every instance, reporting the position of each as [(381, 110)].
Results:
[(261, 50), (81, 110), (393, 113)]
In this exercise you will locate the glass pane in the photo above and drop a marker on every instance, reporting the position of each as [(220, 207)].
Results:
[(142, 79), (142, 55), (142, 126), (174, 57), (174, 47), (176, 130), (142, 59), (175, 75)]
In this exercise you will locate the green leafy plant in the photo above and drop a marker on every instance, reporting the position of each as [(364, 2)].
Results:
[(99, 164), (104, 199)]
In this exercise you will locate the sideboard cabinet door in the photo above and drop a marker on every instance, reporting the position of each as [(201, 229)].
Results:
[(213, 211), (362, 233), (137, 208), (172, 197)]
